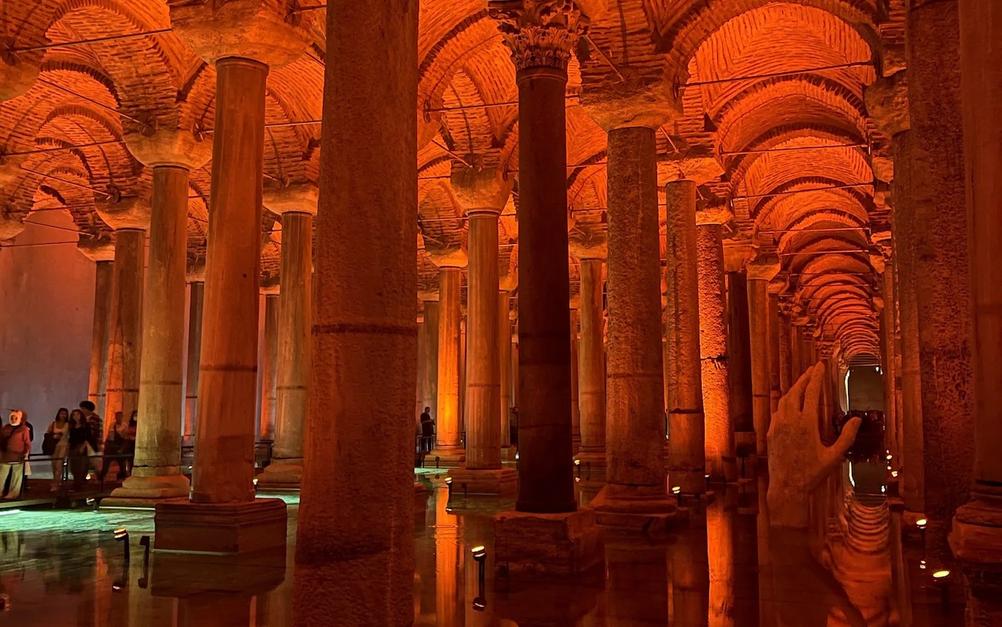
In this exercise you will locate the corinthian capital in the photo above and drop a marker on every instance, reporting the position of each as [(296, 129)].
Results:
[(540, 33)]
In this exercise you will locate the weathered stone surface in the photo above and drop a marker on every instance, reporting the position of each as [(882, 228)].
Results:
[(128, 213), (887, 103), (480, 189), (10, 227), (220, 528), (169, 147), (298, 198), (17, 71), (547, 544), (634, 102), (500, 482)]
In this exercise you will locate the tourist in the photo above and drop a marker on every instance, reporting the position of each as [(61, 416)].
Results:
[(15, 443), (79, 448), (116, 446), (94, 423), (427, 430), (57, 445)]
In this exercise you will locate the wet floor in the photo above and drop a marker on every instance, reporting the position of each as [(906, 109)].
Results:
[(721, 567)]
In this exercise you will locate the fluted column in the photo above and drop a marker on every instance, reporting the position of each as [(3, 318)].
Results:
[(504, 359), (448, 447), (760, 272), (297, 205), (714, 356), (269, 365), (591, 359), (196, 300), (686, 440), (157, 473), (355, 546), (103, 255), (977, 526)]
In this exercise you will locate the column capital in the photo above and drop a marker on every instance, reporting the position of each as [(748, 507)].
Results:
[(97, 249), (295, 198), (508, 283), (699, 169), (480, 190), (877, 261), (249, 29), (594, 247), (539, 33), (195, 271), (126, 214), (18, 71), (637, 100), (168, 147), (779, 283), (10, 225), (428, 296), (887, 103), (448, 258), (271, 288), (763, 267), (737, 254), (716, 214)]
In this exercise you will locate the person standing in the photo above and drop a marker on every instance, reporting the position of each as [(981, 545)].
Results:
[(79, 446), (16, 445), (57, 439), (115, 447), (427, 430)]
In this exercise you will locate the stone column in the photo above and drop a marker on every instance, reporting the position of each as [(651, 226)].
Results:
[(504, 357), (635, 472), (686, 440), (888, 356), (541, 37), (448, 447), (157, 470), (591, 360), (776, 286), (739, 351), (483, 193), (428, 357), (977, 526), (297, 205), (269, 365), (714, 357), (364, 332), (196, 300), (130, 219), (760, 272), (575, 407), (942, 257), (785, 349), (102, 253), (223, 514)]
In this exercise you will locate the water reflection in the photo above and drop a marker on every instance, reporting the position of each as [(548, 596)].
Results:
[(723, 566)]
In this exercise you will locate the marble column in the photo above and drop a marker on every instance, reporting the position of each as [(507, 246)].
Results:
[(634, 431), (428, 365), (888, 357), (942, 257), (359, 559), (504, 359), (482, 472), (796, 360), (102, 253), (977, 526), (196, 300), (686, 441), (541, 36), (760, 272), (157, 468), (129, 219), (714, 357), (591, 363), (785, 350), (297, 204), (448, 447), (739, 353), (269, 365), (575, 407), (776, 287)]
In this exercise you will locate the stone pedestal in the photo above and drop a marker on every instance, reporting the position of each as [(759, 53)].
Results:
[(223, 528), (650, 514), (499, 482), (546, 544), (146, 492)]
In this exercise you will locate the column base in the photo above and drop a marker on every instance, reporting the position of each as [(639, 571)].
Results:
[(220, 528), (182, 576), (281, 474), (146, 492), (500, 482), (445, 458), (590, 465), (688, 481), (508, 453), (651, 515), (976, 541), (546, 544)]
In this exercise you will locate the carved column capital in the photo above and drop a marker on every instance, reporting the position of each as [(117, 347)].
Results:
[(540, 33)]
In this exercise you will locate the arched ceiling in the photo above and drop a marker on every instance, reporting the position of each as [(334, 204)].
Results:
[(773, 91)]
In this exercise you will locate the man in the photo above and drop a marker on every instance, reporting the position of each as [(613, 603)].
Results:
[(95, 425), (16, 445), (427, 430)]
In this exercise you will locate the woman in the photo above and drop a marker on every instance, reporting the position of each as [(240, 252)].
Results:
[(78, 445), (59, 433)]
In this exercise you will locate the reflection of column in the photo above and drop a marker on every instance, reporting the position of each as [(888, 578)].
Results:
[(634, 430), (447, 547), (297, 206), (689, 576), (447, 444), (355, 541), (720, 543), (591, 365), (977, 526), (637, 571), (196, 298), (715, 361), (686, 444), (103, 256), (760, 272), (942, 274), (269, 365)]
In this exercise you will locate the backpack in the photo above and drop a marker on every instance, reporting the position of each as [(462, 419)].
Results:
[(49, 444)]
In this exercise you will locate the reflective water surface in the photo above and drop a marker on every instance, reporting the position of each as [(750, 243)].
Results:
[(724, 566)]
